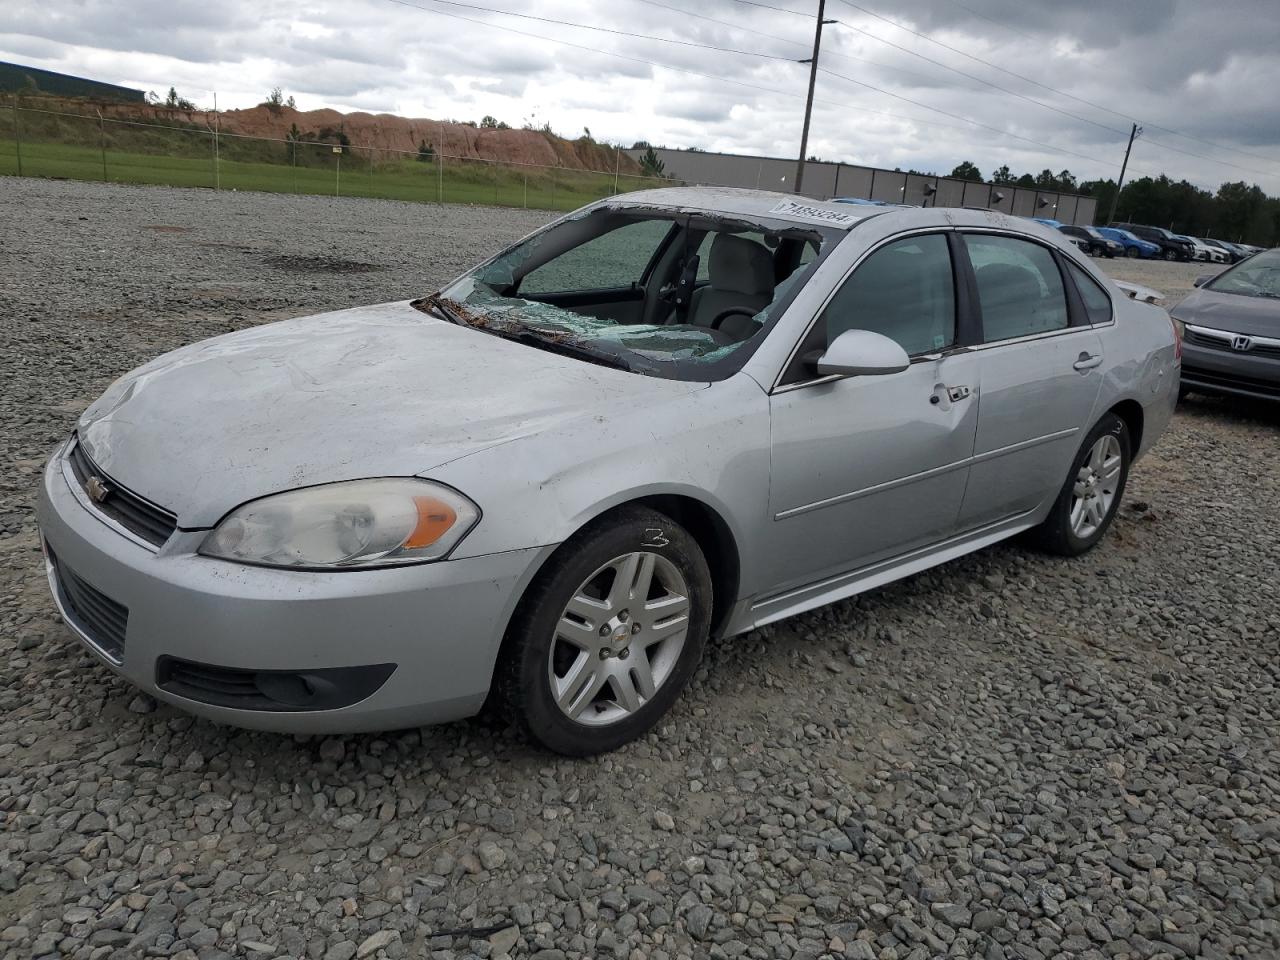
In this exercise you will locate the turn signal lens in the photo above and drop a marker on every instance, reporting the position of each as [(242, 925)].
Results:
[(1179, 328), (435, 519)]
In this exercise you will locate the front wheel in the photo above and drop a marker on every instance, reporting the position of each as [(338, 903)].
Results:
[(608, 634), (1171, 255), (1091, 495)]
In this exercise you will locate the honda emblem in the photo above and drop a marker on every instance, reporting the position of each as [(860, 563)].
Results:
[(1241, 343)]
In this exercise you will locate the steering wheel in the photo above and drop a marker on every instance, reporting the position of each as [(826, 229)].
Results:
[(728, 312)]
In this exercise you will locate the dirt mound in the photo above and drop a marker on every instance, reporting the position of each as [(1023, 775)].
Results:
[(385, 131)]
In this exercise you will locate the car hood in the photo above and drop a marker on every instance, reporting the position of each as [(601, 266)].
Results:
[(1256, 316), (370, 392)]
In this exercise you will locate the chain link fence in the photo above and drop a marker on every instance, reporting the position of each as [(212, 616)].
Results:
[(40, 142)]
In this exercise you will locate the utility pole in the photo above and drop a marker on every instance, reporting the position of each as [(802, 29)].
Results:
[(808, 104), (1133, 135)]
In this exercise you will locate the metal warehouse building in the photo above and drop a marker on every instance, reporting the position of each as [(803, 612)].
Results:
[(824, 180)]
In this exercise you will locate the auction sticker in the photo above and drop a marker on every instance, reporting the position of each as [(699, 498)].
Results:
[(803, 211)]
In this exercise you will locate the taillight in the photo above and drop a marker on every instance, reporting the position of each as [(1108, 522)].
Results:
[(1178, 327)]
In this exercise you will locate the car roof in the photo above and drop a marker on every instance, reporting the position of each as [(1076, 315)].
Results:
[(772, 205), (754, 204)]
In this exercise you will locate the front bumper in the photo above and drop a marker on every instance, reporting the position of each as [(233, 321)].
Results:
[(1224, 371), (438, 625)]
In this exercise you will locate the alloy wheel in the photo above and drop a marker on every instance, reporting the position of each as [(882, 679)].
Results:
[(618, 638), (1095, 488)]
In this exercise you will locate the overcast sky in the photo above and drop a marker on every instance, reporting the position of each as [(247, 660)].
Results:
[(1207, 70)]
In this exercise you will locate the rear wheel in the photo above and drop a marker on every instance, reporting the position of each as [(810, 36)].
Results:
[(1171, 254), (1091, 495), (1131, 252), (608, 635)]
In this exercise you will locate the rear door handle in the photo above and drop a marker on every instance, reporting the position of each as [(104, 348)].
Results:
[(1087, 361)]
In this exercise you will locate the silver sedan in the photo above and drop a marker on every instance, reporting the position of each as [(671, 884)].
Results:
[(671, 415)]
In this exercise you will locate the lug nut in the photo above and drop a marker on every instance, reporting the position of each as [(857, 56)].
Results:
[(604, 631), (604, 654), (622, 616), (626, 652), (635, 628)]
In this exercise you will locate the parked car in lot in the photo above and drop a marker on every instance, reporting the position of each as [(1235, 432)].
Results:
[(1234, 253), (1094, 243), (1172, 246), (1134, 246), (1206, 252), (1232, 336), (669, 415)]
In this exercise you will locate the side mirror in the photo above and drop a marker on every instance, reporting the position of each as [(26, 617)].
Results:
[(1201, 281), (863, 353)]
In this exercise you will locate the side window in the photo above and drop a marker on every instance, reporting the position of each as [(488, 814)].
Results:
[(1019, 287), (1096, 302), (905, 290), (614, 259)]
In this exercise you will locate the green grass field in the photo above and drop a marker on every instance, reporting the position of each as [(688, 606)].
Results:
[(188, 162)]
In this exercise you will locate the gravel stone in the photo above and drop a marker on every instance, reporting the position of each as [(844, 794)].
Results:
[(1024, 758)]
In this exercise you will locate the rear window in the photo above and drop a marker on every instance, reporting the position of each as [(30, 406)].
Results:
[(1097, 305)]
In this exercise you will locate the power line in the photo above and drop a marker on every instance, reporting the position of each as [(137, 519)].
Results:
[(752, 86), (1049, 106), (956, 116), (977, 79), (765, 6), (1070, 96), (795, 43), (998, 23), (617, 33)]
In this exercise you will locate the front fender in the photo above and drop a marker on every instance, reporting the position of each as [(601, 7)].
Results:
[(711, 446)]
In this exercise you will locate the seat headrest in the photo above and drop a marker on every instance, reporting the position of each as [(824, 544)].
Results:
[(1008, 281), (740, 265)]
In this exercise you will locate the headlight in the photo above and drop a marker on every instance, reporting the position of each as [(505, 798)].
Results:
[(359, 523)]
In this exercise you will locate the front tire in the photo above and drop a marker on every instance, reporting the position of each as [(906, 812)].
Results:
[(608, 634), (1091, 495)]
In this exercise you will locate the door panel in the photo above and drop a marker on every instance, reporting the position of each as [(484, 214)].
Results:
[(865, 468), (1034, 411)]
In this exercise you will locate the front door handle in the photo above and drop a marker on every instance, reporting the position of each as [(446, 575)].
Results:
[(1087, 361)]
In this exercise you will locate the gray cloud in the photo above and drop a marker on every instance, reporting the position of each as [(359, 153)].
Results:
[(1204, 70)]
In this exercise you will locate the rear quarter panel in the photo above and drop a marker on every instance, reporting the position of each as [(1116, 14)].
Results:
[(1140, 365)]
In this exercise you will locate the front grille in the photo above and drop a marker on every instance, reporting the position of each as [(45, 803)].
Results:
[(92, 612), (1217, 343), (140, 517)]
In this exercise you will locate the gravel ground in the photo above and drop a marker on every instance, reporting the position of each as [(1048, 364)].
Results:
[(1010, 756)]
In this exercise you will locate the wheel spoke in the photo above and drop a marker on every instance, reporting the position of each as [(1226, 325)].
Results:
[(634, 573), (580, 685), (583, 636), (1097, 455), (642, 670), (588, 609), (1110, 471), (624, 688), (1077, 514)]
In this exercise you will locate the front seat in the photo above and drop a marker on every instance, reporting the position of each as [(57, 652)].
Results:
[(741, 275)]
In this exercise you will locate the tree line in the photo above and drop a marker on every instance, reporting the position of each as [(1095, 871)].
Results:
[(1237, 211)]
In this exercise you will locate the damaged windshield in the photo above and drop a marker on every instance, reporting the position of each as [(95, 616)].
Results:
[(666, 293)]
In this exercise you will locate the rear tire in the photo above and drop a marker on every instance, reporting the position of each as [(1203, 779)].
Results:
[(1091, 495), (1171, 255), (1132, 253), (608, 635)]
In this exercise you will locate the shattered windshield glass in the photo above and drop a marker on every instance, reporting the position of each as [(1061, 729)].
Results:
[(674, 294)]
